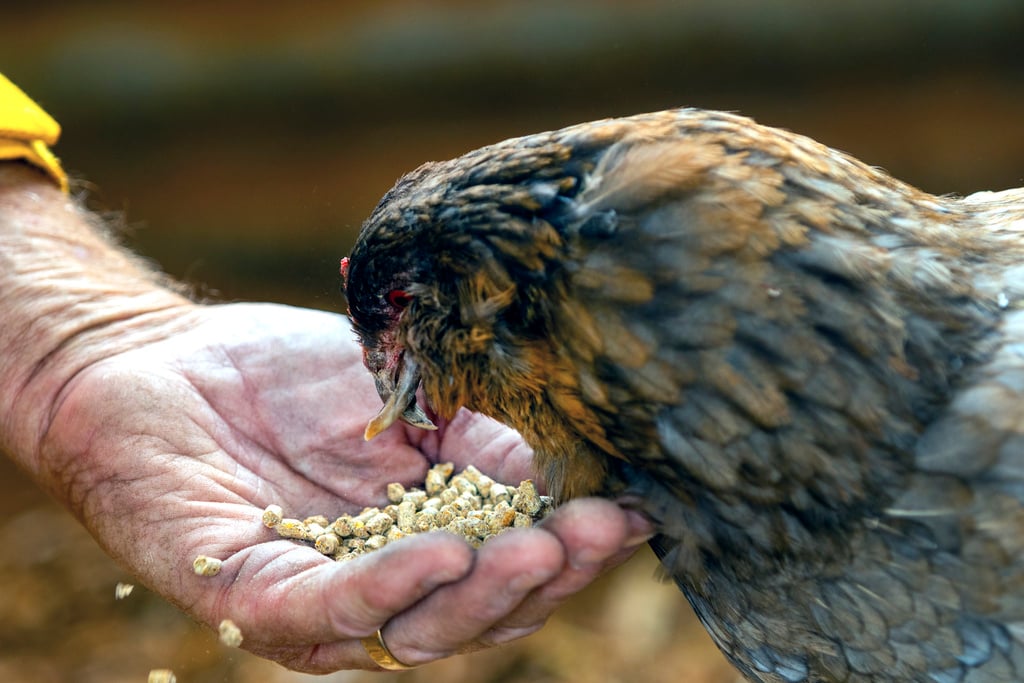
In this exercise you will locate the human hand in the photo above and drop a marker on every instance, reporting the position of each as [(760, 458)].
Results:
[(172, 449)]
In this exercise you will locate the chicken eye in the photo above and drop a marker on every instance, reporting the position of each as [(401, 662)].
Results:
[(399, 298)]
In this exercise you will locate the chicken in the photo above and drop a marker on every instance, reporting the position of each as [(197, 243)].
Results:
[(808, 374)]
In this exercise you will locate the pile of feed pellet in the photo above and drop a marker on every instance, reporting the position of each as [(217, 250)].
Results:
[(468, 503)]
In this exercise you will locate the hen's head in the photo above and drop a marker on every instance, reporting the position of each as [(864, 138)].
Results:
[(449, 280)]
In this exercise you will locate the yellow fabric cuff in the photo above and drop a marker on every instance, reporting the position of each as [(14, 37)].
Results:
[(26, 131)]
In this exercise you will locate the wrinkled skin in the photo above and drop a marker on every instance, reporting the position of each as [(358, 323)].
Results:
[(171, 449)]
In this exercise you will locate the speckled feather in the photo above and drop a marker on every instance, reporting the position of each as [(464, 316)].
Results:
[(809, 374)]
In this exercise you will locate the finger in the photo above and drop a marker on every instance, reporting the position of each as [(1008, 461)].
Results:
[(508, 568), (597, 535), (282, 602)]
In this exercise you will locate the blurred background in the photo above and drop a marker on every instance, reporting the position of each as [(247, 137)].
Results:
[(243, 143)]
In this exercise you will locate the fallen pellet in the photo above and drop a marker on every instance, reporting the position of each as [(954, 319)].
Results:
[(229, 633)]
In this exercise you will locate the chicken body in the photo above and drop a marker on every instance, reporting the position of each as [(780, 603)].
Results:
[(808, 374)]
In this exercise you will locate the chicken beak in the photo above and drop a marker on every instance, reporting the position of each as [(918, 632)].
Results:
[(399, 399)]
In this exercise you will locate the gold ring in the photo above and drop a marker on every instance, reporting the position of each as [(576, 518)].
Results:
[(379, 653)]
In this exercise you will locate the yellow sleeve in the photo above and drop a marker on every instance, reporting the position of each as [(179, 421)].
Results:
[(26, 132)]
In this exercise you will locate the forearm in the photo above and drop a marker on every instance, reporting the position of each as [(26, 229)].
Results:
[(70, 298)]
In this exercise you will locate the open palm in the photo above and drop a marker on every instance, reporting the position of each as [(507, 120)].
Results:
[(172, 449)]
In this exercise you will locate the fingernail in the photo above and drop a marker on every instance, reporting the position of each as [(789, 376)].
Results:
[(641, 530), (527, 581), (446, 574), (587, 557)]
